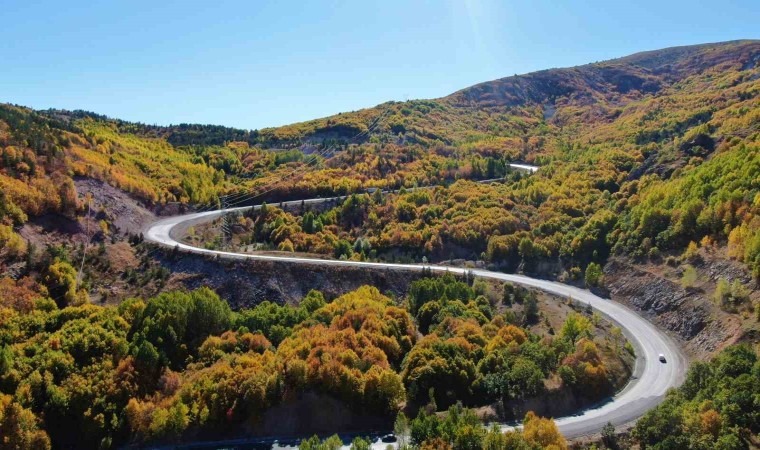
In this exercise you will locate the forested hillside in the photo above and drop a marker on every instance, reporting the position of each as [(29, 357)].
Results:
[(650, 162), (636, 160), (639, 156), (715, 408), (183, 365)]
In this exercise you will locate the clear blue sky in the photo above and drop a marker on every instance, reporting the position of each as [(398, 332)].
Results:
[(253, 64)]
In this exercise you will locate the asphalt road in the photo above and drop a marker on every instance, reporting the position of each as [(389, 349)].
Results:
[(651, 378)]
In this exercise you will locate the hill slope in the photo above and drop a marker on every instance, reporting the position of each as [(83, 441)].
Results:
[(640, 155), (650, 168), (619, 141)]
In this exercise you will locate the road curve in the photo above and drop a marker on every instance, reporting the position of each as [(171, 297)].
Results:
[(651, 378)]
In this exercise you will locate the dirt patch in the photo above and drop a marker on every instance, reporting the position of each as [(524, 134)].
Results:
[(120, 257), (126, 214), (52, 229)]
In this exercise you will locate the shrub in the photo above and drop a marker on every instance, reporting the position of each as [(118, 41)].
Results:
[(689, 277), (609, 439), (729, 296), (594, 275), (531, 309)]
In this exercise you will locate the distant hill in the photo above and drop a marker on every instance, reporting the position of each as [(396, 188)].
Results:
[(638, 74), (618, 80)]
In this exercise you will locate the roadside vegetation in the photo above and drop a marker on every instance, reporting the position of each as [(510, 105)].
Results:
[(183, 364), (644, 181), (716, 408)]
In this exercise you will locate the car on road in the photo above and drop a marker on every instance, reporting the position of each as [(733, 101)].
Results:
[(662, 358)]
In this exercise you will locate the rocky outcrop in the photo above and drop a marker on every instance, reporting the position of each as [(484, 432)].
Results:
[(247, 283), (689, 314)]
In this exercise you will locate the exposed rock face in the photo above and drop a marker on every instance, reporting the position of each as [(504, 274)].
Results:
[(729, 270), (125, 213), (689, 314), (245, 284), (663, 298)]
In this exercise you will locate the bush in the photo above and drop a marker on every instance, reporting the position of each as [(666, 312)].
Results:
[(530, 305), (609, 439), (594, 275), (729, 296), (689, 277), (286, 246), (11, 243), (343, 249)]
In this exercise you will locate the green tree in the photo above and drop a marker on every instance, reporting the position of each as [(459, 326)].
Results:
[(576, 326), (360, 444), (530, 305), (313, 301), (495, 439), (722, 295), (609, 438), (343, 249), (177, 323), (525, 379), (469, 437), (401, 430), (594, 274), (689, 276)]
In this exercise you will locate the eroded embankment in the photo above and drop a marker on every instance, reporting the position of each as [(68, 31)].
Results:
[(247, 283), (689, 313)]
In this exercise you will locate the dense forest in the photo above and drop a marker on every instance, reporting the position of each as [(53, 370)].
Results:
[(183, 364), (653, 159), (717, 406)]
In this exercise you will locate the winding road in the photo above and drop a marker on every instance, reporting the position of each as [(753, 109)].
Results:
[(649, 383)]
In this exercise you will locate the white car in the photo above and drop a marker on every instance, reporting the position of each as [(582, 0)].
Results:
[(662, 358)]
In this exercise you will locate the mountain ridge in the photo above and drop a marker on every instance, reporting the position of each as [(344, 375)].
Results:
[(644, 61), (561, 81)]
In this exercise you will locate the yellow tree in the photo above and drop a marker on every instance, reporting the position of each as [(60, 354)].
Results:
[(543, 432)]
